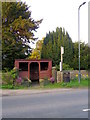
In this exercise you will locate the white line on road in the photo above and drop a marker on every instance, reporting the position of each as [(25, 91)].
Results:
[(86, 110)]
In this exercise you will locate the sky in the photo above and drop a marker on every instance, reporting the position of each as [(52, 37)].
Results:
[(60, 13)]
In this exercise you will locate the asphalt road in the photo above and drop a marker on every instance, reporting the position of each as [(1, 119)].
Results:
[(62, 104)]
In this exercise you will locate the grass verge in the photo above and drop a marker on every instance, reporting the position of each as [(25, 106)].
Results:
[(72, 84)]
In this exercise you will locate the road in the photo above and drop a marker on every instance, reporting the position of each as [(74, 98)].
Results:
[(62, 104)]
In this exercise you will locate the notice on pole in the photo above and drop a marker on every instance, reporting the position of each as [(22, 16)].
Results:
[(62, 50)]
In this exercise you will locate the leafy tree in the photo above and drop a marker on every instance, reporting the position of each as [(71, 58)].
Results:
[(83, 56), (39, 44), (75, 56), (36, 53), (65, 67), (17, 30)]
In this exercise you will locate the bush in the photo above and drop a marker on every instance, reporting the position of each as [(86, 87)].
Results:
[(52, 80), (18, 81), (9, 77), (14, 73), (65, 67)]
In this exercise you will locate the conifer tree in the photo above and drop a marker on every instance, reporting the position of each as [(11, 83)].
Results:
[(17, 31)]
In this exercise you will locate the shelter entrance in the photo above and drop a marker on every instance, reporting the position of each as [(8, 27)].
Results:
[(34, 72)]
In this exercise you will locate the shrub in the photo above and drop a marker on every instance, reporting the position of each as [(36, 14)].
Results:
[(57, 67), (19, 80), (14, 73), (65, 67), (9, 77), (52, 80)]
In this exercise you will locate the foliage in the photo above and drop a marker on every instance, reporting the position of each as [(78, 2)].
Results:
[(83, 56), (14, 73), (19, 80), (72, 84), (4, 86), (36, 53), (25, 82), (51, 48), (17, 30), (65, 67), (52, 80), (12, 87), (39, 44), (9, 77), (12, 78)]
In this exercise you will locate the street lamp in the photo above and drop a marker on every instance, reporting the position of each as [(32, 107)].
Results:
[(79, 37)]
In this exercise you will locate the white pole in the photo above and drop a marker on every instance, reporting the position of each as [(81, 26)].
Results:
[(61, 63), (60, 66)]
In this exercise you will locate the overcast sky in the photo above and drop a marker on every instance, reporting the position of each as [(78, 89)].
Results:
[(60, 13)]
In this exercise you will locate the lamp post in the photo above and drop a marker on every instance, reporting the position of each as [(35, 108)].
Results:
[(79, 38)]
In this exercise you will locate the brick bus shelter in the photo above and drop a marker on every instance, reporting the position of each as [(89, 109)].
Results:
[(34, 69)]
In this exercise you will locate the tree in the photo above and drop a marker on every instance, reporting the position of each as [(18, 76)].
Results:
[(75, 56), (36, 53), (17, 30), (51, 47), (83, 56)]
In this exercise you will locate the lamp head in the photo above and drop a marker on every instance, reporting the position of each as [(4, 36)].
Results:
[(82, 4)]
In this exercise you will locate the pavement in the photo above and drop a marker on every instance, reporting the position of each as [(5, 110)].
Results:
[(31, 91)]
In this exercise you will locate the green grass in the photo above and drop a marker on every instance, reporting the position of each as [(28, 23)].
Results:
[(72, 84), (11, 87)]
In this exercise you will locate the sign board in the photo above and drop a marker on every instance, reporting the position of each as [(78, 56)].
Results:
[(62, 50)]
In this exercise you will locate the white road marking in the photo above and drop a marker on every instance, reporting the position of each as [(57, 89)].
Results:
[(86, 110)]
